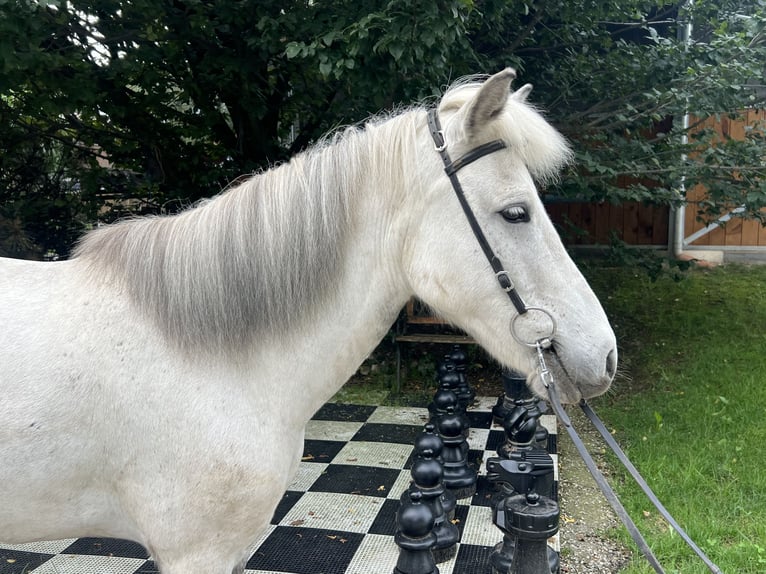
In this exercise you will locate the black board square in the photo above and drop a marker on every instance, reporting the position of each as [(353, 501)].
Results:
[(306, 551), (21, 562), (148, 567), (385, 521), (485, 490), (343, 413), (495, 439), (349, 479), (107, 547), (321, 450), (476, 459), (552, 446), (473, 559), (479, 419), (390, 433), (285, 505)]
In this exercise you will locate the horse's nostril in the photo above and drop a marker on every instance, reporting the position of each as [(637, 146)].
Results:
[(611, 363)]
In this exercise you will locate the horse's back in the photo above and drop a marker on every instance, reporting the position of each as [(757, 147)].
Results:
[(46, 400), (36, 311)]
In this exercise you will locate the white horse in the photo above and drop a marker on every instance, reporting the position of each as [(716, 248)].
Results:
[(156, 386)]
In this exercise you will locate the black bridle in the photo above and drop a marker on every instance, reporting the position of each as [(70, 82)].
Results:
[(451, 168)]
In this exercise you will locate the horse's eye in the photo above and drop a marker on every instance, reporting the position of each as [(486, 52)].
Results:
[(515, 214)]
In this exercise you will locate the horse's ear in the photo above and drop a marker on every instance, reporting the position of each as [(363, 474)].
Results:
[(489, 102), (522, 93)]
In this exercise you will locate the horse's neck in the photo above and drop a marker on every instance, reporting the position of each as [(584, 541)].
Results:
[(317, 344), (370, 291), (349, 329)]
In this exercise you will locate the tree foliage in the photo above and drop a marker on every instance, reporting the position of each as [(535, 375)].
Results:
[(147, 105)]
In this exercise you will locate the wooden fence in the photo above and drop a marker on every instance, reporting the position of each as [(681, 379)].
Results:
[(737, 232), (593, 223), (644, 224)]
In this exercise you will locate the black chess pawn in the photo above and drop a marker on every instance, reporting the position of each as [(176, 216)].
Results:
[(446, 403), (449, 379), (430, 441), (443, 398), (415, 537), (459, 476), (442, 366), (458, 356), (465, 393), (427, 474)]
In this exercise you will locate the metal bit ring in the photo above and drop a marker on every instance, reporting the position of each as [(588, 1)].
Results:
[(535, 343)]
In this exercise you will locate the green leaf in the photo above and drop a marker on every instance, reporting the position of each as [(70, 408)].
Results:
[(396, 50), (325, 68), (293, 49)]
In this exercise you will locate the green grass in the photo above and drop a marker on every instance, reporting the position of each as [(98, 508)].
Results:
[(690, 410)]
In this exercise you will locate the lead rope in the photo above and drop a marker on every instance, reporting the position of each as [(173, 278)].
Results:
[(606, 489), (623, 458)]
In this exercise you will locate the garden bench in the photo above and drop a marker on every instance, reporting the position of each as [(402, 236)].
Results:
[(417, 324)]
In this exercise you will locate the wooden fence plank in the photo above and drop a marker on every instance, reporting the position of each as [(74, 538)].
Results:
[(644, 224), (750, 232)]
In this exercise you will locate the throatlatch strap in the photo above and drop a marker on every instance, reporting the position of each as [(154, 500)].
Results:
[(451, 168)]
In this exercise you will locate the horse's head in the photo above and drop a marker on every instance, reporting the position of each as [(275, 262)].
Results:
[(450, 271)]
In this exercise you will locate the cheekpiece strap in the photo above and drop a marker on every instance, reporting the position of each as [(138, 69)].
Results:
[(451, 168)]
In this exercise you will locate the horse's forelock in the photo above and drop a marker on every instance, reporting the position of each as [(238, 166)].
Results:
[(542, 148)]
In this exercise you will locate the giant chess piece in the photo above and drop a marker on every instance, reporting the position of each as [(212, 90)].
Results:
[(531, 520), (443, 398), (459, 476), (465, 393), (448, 378), (445, 402), (517, 394), (524, 472), (430, 441), (415, 537), (519, 429), (520, 426), (427, 476)]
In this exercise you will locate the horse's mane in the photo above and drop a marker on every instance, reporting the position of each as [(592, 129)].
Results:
[(263, 256), (258, 258)]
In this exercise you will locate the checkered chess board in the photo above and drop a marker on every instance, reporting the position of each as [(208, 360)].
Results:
[(338, 515)]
